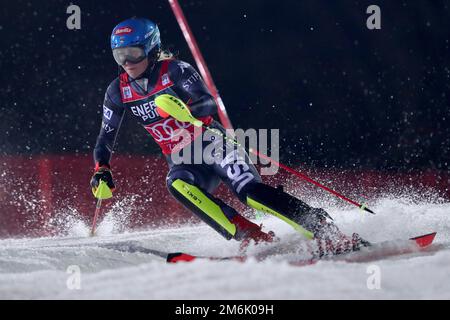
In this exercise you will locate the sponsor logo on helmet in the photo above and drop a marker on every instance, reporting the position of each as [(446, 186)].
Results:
[(123, 30)]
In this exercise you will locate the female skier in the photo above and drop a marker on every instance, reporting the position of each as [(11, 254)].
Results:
[(146, 72)]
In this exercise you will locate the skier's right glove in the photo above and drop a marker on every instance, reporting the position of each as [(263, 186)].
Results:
[(102, 173)]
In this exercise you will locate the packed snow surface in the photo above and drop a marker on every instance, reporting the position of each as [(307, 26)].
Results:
[(46, 268)]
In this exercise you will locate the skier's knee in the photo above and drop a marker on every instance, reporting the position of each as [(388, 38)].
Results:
[(261, 190), (199, 177), (246, 190), (184, 175)]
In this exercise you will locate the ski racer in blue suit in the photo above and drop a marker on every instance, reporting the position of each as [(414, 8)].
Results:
[(146, 71)]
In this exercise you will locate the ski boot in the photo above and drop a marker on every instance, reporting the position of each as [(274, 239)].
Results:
[(330, 240), (247, 231)]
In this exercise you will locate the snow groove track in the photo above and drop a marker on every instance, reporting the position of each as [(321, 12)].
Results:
[(37, 268)]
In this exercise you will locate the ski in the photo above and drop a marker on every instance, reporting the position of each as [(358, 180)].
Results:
[(376, 251), (386, 249), (425, 240)]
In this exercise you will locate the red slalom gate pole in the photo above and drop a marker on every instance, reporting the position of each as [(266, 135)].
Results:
[(201, 64), (305, 177)]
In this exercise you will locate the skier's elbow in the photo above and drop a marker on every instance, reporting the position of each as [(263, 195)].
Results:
[(204, 107)]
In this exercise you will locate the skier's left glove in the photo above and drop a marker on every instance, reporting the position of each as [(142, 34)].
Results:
[(102, 173)]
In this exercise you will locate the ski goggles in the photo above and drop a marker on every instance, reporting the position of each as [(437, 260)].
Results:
[(130, 54)]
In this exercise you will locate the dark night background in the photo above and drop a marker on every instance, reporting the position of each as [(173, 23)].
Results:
[(342, 95)]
